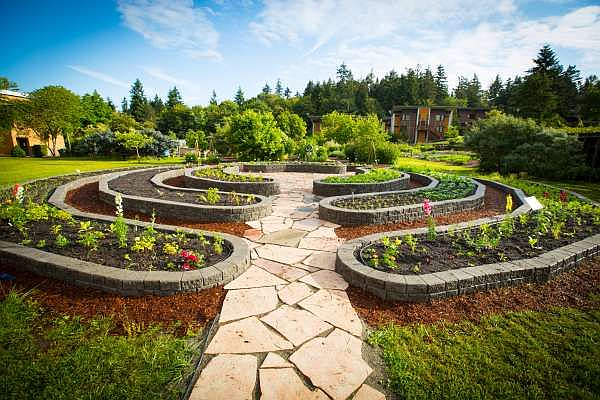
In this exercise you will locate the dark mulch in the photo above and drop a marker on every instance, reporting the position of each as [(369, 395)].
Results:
[(495, 203), (86, 199), (579, 288), (139, 184), (57, 298)]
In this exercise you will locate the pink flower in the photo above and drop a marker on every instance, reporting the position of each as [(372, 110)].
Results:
[(192, 257), (186, 266), (427, 207), (184, 254)]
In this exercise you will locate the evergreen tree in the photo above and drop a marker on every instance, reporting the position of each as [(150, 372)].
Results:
[(441, 85), (213, 98), (287, 93), (546, 62), (344, 74), (428, 88), (494, 92), (124, 106), (590, 100), (138, 101), (266, 89), (110, 103), (239, 97), (173, 98), (278, 88), (157, 104)]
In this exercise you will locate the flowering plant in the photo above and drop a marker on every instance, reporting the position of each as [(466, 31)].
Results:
[(190, 260), (564, 196), (509, 203), (119, 205), (431, 233), (18, 193)]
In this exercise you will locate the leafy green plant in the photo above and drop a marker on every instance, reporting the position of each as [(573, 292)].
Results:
[(212, 196), (374, 175), (61, 241), (143, 243), (171, 248), (89, 238), (412, 242), (218, 244), (41, 244), (56, 229), (120, 228)]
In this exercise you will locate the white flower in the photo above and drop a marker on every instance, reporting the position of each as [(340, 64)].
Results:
[(119, 205)]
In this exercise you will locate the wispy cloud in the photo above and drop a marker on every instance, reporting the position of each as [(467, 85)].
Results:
[(173, 24), (158, 73), (466, 36), (98, 75)]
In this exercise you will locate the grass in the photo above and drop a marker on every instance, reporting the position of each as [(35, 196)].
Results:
[(66, 358), (528, 355), (15, 170)]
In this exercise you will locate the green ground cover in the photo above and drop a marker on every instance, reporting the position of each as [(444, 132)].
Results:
[(374, 175), (528, 355), (66, 358), (16, 170)]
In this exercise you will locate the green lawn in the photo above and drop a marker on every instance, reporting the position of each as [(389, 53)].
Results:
[(16, 170), (68, 359), (551, 355)]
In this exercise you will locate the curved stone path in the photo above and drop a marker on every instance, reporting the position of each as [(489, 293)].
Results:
[(287, 329)]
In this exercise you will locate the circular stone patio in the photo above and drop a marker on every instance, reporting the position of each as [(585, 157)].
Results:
[(287, 311)]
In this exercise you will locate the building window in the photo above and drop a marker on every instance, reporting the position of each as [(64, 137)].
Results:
[(438, 117), (405, 117), (440, 129)]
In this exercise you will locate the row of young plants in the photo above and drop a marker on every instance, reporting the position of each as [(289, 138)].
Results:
[(449, 187), (220, 175), (213, 197), (373, 176), (560, 222), (117, 244)]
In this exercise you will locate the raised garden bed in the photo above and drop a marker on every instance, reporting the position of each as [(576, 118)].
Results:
[(143, 192), (481, 255), (378, 180), (228, 179), (310, 167), (403, 206)]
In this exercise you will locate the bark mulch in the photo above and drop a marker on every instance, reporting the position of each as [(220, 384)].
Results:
[(495, 203), (579, 288), (57, 298), (86, 199)]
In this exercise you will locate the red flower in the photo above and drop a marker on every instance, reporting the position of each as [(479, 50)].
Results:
[(184, 253)]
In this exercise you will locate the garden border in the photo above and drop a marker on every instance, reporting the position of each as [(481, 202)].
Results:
[(411, 212), (191, 212), (309, 167), (121, 281), (326, 189), (269, 187), (427, 287)]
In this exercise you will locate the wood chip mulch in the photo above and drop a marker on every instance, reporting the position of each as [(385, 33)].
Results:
[(495, 203), (86, 199), (578, 288), (58, 298)]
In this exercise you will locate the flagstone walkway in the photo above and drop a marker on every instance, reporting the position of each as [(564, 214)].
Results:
[(287, 327)]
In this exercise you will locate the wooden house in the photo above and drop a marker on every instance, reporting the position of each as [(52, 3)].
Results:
[(420, 124)]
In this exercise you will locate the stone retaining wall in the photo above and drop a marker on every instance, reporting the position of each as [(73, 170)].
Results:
[(187, 211), (411, 212), (325, 189), (316, 168), (426, 287), (268, 187)]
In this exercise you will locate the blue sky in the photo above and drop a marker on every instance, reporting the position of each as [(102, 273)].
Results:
[(219, 44)]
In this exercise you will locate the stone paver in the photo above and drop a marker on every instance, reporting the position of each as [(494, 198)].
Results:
[(295, 325), (282, 254), (227, 376), (366, 392), (285, 237), (244, 303), (294, 292), (326, 279), (254, 277), (284, 383), (283, 271), (246, 336), (333, 306), (293, 256), (274, 360), (322, 260), (337, 372)]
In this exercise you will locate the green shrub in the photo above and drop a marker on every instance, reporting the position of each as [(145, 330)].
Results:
[(39, 150), (309, 150), (387, 152), (374, 175), (191, 158), (337, 154), (18, 152), (509, 144)]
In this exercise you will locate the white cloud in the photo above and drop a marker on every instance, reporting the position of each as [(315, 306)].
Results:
[(172, 24), (160, 74), (486, 37), (98, 75)]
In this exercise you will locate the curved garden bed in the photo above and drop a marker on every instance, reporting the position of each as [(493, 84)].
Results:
[(189, 204), (347, 185), (480, 255), (235, 183), (49, 242), (369, 210), (310, 167)]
